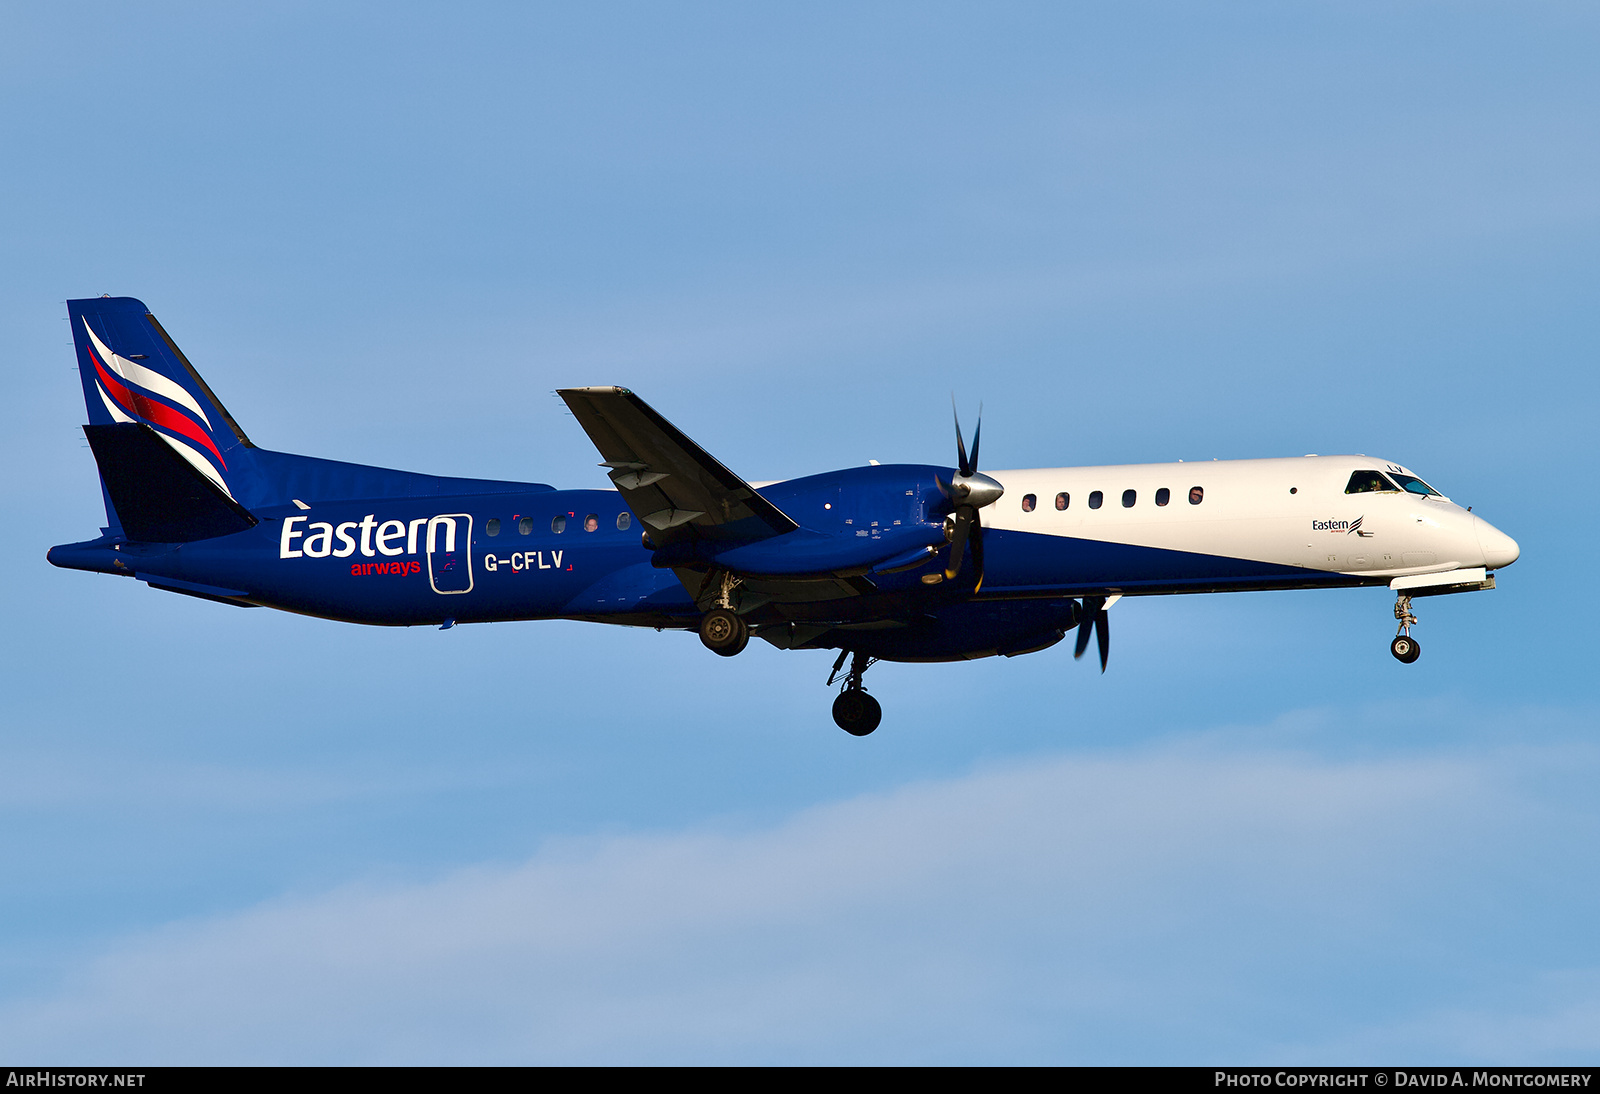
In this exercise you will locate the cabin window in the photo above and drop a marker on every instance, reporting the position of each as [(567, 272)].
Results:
[(1096, 499), (591, 523), (1063, 500), (624, 521), (492, 526), (1197, 494), (1029, 502), (558, 524), (1413, 485), (1129, 497), (1368, 482), (525, 526), (1163, 496)]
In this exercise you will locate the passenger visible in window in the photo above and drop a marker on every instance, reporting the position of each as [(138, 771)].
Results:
[(525, 526), (1062, 501), (1163, 496), (1196, 495), (558, 524), (492, 526), (1096, 499), (624, 521), (1129, 497), (591, 523), (1028, 502), (1368, 482)]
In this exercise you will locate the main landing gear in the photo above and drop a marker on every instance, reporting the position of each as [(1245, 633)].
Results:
[(721, 630), (1405, 648), (854, 711), (724, 632)]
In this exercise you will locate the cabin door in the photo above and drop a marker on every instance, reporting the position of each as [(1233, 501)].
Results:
[(449, 548)]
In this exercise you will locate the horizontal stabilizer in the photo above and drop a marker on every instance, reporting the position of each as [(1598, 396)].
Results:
[(158, 495)]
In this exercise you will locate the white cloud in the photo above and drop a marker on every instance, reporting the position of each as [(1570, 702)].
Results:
[(1181, 904)]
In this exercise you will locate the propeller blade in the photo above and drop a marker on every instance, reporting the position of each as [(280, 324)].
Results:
[(1102, 631), (976, 430), (1086, 621), (961, 448), (958, 542)]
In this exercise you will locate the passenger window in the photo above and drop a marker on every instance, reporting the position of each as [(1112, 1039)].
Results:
[(525, 526), (591, 523), (1029, 501), (1163, 496), (1095, 499), (1129, 497), (624, 521), (1062, 501), (558, 524), (1367, 482), (492, 526), (1196, 495)]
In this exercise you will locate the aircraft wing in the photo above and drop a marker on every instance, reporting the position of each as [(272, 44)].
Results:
[(676, 488)]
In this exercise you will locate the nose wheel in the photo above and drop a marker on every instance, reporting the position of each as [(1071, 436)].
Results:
[(1405, 648), (854, 711)]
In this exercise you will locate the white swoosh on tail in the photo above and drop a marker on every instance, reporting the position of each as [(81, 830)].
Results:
[(146, 378)]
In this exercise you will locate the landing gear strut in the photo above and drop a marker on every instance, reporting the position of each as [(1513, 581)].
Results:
[(854, 711), (721, 630), (1405, 648)]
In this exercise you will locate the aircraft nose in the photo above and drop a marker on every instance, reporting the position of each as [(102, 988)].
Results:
[(1499, 549)]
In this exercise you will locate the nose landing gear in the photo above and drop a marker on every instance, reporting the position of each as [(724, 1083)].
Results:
[(854, 711), (1405, 648)]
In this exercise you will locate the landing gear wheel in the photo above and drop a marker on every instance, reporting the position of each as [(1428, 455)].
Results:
[(1405, 649), (724, 632), (856, 712)]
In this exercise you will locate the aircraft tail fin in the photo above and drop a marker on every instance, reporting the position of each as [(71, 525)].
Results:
[(170, 454), (132, 372)]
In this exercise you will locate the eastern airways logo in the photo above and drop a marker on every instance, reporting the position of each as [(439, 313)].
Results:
[(1345, 526), (126, 387)]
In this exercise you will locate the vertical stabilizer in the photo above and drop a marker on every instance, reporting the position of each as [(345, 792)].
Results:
[(134, 376), (133, 372)]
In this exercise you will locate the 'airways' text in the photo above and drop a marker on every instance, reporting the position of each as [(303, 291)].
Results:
[(398, 569)]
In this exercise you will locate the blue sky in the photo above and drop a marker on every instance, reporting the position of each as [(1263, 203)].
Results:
[(1135, 232)]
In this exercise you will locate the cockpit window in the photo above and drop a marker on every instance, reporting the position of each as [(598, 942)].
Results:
[(1368, 482), (1413, 485)]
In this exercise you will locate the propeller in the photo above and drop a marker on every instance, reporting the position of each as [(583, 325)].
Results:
[(1094, 617), (970, 491)]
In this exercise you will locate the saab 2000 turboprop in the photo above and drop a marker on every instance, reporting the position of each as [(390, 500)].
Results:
[(898, 562)]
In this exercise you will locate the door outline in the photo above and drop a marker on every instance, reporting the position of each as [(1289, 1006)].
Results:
[(449, 521)]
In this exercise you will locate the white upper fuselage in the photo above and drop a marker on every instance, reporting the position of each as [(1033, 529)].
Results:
[(1289, 512)]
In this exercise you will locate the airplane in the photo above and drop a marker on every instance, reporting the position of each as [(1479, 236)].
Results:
[(891, 562)]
